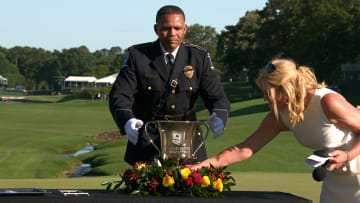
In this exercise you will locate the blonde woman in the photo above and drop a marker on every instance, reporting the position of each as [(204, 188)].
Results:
[(318, 117)]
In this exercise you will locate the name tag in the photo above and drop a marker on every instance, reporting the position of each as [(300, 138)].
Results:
[(151, 76)]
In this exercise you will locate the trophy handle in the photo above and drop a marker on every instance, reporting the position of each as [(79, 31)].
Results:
[(150, 139), (203, 142)]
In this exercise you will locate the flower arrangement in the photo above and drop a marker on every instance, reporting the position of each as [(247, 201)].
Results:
[(163, 179)]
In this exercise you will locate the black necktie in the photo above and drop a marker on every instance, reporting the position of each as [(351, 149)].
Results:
[(170, 63)]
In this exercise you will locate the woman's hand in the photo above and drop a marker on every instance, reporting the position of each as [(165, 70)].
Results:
[(198, 165), (337, 159)]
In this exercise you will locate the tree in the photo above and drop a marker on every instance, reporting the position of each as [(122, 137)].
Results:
[(204, 36), (238, 46), (98, 71), (102, 52), (114, 51), (117, 63), (319, 34), (33, 63), (10, 71), (76, 61)]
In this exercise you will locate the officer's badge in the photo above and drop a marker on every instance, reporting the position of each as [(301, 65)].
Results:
[(189, 71)]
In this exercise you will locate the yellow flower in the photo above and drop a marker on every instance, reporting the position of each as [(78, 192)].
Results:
[(218, 185), (205, 181), (168, 181), (185, 172), (140, 166)]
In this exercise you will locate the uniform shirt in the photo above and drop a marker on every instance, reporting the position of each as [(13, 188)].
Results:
[(166, 53)]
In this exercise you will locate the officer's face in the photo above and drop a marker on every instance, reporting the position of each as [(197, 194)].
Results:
[(171, 30)]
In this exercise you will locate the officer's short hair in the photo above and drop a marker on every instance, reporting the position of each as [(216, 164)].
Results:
[(169, 9)]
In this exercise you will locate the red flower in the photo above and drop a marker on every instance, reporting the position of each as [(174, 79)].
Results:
[(128, 173), (189, 181), (221, 176), (213, 176), (198, 178), (130, 176), (147, 162), (155, 181)]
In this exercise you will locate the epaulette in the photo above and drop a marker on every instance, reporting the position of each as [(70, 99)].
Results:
[(195, 46)]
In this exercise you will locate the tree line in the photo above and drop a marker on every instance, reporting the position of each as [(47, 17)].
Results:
[(37, 68), (321, 34)]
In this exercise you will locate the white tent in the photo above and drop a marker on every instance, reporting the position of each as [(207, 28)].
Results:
[(108, 80), (3, 80), (75, 82), (88, 79)]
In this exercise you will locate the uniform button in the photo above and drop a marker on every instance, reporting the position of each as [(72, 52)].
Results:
[(190, 88), (149, 88), (172, 106), (173, 91)]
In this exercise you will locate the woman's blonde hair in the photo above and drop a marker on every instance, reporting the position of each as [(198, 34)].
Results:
[(285, 77)]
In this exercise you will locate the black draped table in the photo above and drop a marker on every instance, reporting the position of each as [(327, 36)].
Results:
[(99, 196)]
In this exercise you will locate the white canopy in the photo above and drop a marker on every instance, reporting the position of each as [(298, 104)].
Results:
[(80, 79), (3, 80), (2, 77), (108, 79)]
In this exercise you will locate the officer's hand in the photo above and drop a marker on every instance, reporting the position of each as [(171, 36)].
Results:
[(215, 124), (131, 128)]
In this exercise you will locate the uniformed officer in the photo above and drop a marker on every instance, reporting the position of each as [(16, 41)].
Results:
[(161, 80)]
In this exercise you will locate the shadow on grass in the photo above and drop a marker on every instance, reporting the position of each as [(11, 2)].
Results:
[(67, 98), (97, 172), (96, 160), (260, 108)]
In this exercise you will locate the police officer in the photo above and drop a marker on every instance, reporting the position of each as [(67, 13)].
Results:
[(161, 80)]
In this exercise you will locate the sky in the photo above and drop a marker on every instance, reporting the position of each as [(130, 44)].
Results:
[(98, 24)]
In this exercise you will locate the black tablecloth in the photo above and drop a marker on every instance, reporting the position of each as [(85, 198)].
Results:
[(99, 196)]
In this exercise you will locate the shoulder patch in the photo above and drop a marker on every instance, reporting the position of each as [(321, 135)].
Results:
[(126, 60)]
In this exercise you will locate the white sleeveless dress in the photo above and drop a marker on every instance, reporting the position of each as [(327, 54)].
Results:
[(316, 132)]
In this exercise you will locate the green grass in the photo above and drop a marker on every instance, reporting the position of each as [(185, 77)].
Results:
[(32, 135), (4, 92)]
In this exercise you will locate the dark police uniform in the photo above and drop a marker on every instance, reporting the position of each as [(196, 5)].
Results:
[(147, 90)]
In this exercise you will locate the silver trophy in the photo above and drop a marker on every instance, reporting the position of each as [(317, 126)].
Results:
[(176, 138)]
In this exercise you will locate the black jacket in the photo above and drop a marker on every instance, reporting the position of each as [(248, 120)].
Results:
[(142, 89)]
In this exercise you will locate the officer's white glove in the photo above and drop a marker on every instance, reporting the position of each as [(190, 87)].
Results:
[(215, 124), (131, 128)]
